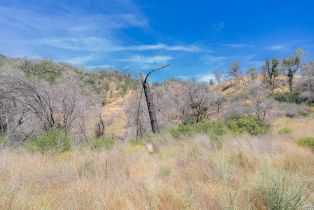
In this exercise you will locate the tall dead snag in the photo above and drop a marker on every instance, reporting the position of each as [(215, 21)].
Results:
[(100, 128), (149, 99)]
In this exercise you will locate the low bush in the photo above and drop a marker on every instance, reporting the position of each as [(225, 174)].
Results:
[(285, 131), (51, 141), (3, 140), (303, 113), (44, 70), (214, 129), (102, 143), (182, 131), (136, 141), (307, 142), (165, 172), (279, 190), (249, 125), (288, 97)]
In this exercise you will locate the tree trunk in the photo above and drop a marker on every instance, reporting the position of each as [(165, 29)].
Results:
[(150, 105), (290, 81)]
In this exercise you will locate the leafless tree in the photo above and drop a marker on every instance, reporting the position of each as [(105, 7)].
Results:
[(218, 74), (149, 98), (100, 128), (250, 102), (196, 102), (30, 104), (306, 84), (257, 99), (217, 101), (137, 115)]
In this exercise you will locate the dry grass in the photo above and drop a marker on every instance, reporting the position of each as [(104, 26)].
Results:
[(192, 174)]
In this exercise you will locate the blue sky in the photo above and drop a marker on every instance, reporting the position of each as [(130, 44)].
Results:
[(195, 37)]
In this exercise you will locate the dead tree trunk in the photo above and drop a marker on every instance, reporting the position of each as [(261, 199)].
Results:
[(150, 105), (100, 128), (149, 100)]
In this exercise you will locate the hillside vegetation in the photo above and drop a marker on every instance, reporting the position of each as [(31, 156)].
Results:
[(77, 139)]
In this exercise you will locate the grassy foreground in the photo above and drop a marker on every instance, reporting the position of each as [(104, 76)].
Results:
[(246, 172)]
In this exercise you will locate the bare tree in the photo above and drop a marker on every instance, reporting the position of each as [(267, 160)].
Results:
[(306, 84), (218, 100), (30, 104), (218, 74), (256, 95), (149, 99), (32, 96), (100, 128), (250, 102), (137, 115), (196, 102)]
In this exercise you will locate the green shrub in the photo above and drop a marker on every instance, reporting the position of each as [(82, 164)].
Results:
[(182, 131), (165, 172), (51, 141), (307, 142), (4, 141), (285, 131), (98, 144), (249, 125), (214, 129), (279, 190), (217, 130), (136, 141), (288, 97), (44, 70), (303, 113)]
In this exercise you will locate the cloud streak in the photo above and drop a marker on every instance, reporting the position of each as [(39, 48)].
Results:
[(105, 45), (277, 47), (238, 45), (159, 59)]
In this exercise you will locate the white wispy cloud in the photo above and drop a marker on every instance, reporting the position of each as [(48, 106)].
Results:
[(277, 47), (161, 46), (31, 28), (158, 59), (102, 44), (105, 45), (81, 44), (238, 45), (76, 38), (205, 77), (79, 60)]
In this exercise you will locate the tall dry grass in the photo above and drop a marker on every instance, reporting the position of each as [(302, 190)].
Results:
[(265, 172)]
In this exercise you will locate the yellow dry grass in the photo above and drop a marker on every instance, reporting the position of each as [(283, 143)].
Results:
[(192, 174), (300, 127)]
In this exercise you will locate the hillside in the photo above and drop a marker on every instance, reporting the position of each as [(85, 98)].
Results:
[(107, 88), (103, 84), (77, 139)]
